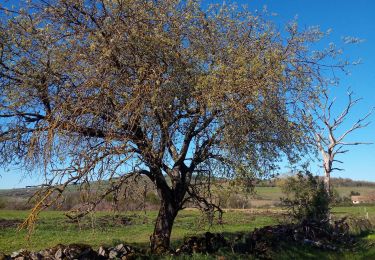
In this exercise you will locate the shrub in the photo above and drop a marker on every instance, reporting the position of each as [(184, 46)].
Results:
[(306, 198), (236, 201), (354, 193), (152, 198), (337, 200), (359, 226), (70, 201), (3, 203), (14, 203)]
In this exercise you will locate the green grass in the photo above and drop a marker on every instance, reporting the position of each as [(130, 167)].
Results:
[(345, 191), (53, 228), (363, 251), (270, 193), (274, 193), (356, 211)]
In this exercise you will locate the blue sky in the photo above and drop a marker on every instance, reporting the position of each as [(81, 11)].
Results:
[(345, 18)]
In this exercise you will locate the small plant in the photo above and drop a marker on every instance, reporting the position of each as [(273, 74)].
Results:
[(338, 200), (236, 201), (359, 225), (306, 198), (3, 203), (152, 198), (354, 193)]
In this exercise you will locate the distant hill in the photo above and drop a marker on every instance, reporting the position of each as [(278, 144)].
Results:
[(346, 182), (267, 193), (336, 182)]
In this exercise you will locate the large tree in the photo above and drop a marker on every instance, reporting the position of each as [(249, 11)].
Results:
[(99, 89)]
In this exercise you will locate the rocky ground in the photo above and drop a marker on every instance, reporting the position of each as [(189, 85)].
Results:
[(74, 251)]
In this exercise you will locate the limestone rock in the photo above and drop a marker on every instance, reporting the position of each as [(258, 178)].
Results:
[(59, 254), (113, 254), (20, 254), (102, 252), (36, 256), (79, 251)]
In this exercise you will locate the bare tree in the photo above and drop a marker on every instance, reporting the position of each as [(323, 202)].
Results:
[(96, 89), (330, 143)]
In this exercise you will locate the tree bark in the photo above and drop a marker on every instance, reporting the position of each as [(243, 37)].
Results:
[(160, 239), (327, 184), (171, 200)]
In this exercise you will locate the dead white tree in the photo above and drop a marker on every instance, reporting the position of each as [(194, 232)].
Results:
[(330, 143)]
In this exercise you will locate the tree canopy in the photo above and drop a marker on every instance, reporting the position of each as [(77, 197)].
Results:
[(98, 89)]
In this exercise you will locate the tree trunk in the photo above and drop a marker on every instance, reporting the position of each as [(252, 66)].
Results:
[(170, 203), (160, 239), (327, 166), (327, 184)]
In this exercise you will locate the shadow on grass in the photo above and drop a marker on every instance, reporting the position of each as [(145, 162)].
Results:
[(363, 248)]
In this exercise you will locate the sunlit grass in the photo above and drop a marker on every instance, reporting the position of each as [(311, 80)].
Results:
[(54, 228)]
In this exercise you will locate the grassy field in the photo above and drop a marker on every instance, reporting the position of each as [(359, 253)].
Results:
[(53, 228), (263, 197), (100, 229), (274, 193), (136, 227)]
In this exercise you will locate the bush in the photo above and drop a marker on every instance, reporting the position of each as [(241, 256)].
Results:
[(359, 226), (3, 203), (152, 199), (337, 200), (15, 203), (354, 193), (236, 201), (306, 198), (70, 201)]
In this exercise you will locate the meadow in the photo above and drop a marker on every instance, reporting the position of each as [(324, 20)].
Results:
[(275, 193), (135, 227), (104, 228)]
